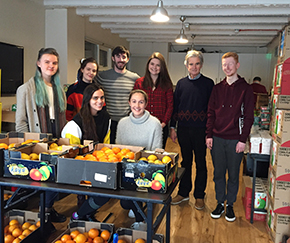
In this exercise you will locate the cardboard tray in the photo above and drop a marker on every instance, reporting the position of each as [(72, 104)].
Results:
[(85, 226), (139, 175), (130, 236)]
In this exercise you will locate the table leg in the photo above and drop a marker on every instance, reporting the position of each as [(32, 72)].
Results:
[(42, 212), (167, 233), (253, 190), (149, 222), (2, 214)]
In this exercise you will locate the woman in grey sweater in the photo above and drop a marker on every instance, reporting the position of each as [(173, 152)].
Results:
[(139, 129)]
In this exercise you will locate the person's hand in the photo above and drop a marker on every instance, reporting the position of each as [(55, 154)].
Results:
[(240, 147), (163, 124), (173, 135), (208, 143)]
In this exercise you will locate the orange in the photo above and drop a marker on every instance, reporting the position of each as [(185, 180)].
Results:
[(16, 232), (90, 157), (3, 145), (139, 241), (105, 234), (93, 233), (26, 225), (81, 238), (109, 151), (21, 237), (104, 148), (103, 159), (121, 241), (16, 240), (125, 151), (6, 229), (26, 232), (98, 239), (11, 145), (166, 159), (58, 241), (13, 221), (65, 238), (116, 150), (98, 153), (113, 159), (12, 227), (33, 227), (74, 233), (38, 224), (130, 155), (70, 241), (9, 239), (80, 157)]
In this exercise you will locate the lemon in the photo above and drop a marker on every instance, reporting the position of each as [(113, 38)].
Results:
[(158, 162), (166, 159), (53, 146), (159, 177), (25, 156), (58, 148), (143, 158), (152, 157), (34, 156)]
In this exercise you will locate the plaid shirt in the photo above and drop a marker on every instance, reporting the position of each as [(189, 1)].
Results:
[(160, 102)]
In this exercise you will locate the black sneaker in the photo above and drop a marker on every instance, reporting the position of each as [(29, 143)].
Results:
[(230, 215), (218, 211), (56, 217)]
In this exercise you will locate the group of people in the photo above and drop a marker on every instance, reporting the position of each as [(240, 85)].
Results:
[(117, 106)]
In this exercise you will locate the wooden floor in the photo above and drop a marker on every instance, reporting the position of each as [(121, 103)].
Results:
[(188, 225)]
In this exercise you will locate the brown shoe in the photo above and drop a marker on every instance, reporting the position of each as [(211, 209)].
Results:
[(199, 203), (178, 199)]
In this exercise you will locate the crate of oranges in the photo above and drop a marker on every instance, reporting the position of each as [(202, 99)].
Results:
[(84, 231), (99, 168), (20, 224), (136, 236), (149, 171)]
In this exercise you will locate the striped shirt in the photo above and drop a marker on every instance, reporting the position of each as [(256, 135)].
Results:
[(117, 87)]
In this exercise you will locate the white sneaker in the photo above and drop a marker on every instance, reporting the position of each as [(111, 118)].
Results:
[(139, 226), (131, 214)]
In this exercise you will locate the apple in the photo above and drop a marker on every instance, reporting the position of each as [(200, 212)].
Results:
[(156, 185), (35, 175)]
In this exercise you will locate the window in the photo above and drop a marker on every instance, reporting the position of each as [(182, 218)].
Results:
[(101, 53)]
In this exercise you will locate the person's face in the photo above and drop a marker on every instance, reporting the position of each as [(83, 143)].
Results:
[(89, 72), (120, 61), (48, 65), (97, 101), (137, 104), (154, 66), (193, 66), (230, 66)]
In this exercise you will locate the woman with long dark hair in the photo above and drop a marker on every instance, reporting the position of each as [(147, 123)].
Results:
[(159, 88), (86, 73)]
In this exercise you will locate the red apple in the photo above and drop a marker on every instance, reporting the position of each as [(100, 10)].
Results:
[(35, 175), (156, 185)]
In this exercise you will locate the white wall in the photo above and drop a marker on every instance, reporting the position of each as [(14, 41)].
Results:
[(22, 23)]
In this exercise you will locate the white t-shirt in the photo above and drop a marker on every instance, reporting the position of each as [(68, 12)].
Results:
[(51, 103)]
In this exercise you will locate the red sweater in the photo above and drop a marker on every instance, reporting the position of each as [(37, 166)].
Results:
[(224, 110)]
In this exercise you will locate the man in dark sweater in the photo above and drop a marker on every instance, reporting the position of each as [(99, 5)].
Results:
[(190, 107), (229, 120), (258, 88)]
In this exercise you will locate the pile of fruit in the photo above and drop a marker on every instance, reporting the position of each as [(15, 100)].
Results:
[(55, 146), (106, 154), (12, 145), (7, 196), (93, 235), (154, 160), (14, 232)]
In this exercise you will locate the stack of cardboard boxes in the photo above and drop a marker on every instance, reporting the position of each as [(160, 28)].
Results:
[(278, 216)]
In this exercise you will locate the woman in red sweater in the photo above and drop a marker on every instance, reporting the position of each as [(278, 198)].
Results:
[(159, 88)]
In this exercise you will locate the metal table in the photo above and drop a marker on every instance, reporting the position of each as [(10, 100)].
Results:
[(256, 158), (149, 198)]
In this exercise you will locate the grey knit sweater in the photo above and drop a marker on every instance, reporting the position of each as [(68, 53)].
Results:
[(145, 131)]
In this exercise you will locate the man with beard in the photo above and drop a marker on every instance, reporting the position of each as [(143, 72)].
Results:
[(117, 84)]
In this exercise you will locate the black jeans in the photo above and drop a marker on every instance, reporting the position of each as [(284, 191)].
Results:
[(113, 128), (128, 204), (192, 139), (165, 131)]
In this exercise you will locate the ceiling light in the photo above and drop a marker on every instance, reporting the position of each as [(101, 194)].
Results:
[(159, 14), (182, 38)]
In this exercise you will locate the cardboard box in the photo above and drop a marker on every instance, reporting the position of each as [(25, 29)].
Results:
[(91, 173), (282, 78), (260, 142), (130, 236), (262, 100), (277, 225), (281, 102), (22, 216), (279, 194), (281, 132), (261, 198), (148, 177), (39, 170), (279, 161), (284, 48), (85, 226)]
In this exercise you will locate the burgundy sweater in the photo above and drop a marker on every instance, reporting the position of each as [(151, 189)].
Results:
[(224, 110)]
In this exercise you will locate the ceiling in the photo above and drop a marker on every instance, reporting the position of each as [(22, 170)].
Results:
[(208, 23)]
